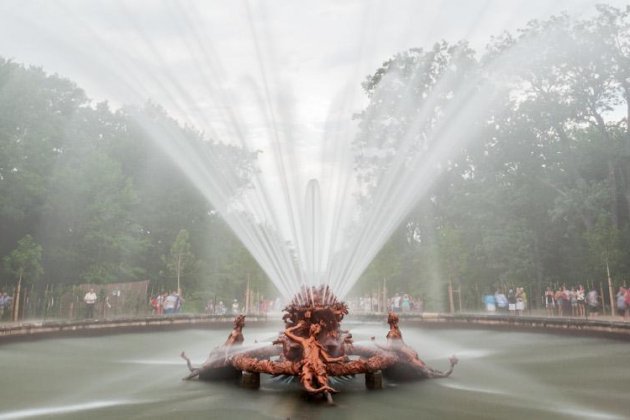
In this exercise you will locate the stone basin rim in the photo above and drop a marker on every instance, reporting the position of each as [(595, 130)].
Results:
[(42, 329)]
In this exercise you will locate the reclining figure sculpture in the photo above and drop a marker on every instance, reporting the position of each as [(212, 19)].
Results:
[(313, 347)]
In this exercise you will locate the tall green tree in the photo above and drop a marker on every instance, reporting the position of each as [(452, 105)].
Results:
[(34, 111), (181, 259), (105, 200), (527, 194), (24, 265)]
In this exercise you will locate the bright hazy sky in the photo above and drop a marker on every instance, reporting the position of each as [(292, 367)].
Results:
[(180, 54)]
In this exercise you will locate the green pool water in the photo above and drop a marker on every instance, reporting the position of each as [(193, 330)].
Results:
[(501, 375)]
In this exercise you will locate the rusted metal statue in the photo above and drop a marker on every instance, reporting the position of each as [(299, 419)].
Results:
[(313, 347)]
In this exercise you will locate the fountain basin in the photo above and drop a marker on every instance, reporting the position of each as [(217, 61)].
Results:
[(136, 375)]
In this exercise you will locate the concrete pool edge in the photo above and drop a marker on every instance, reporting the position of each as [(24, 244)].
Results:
[(603, 327), (33, 330)]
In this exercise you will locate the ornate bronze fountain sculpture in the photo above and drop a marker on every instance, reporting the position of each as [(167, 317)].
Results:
[(313, 347)]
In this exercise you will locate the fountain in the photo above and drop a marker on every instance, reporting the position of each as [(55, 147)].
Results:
[(298, 211), (313, 347), (302, 224)]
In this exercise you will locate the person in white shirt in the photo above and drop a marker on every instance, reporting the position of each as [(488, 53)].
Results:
[(90, 302)]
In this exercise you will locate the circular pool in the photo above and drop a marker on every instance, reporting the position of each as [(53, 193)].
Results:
[(135, 376)]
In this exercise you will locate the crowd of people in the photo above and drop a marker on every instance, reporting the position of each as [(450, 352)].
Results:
[(167, 303), (399, 303), (260, 307), (564, 301), (513, 302), (220, 308), (574, 301)]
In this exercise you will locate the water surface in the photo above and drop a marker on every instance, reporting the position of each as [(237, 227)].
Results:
[(138, 376)]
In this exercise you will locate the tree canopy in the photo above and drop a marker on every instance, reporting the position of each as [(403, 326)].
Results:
[(105, 204), (540, 196)]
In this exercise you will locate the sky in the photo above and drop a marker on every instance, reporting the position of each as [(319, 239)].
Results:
[(245, 69), (179, 54)]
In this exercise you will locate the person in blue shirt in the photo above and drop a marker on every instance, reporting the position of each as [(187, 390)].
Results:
[(490, 303)]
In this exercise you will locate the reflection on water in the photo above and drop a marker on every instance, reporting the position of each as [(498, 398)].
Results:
[(479, 389), (152, 362), (501, 375), (51, 411)]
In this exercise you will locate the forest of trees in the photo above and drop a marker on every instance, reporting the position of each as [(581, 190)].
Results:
[(86, 187), (540, 196)]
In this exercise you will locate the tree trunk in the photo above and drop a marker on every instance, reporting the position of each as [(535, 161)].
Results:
[(624, 164), (612, 181), (610, 290), (16, 300), (179, 269), (450, 297)]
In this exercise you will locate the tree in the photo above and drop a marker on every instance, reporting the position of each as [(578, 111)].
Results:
[(527, 194), (603, 240), (412, 97), (34, 111), (24, 263), (106, 201), (181, 258), (91, 229)]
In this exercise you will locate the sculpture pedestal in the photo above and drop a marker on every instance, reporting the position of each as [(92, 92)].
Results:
[(312, 347), (250, 380), (374, 380)]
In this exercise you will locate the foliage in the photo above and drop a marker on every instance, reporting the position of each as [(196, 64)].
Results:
[(24, 262), (181, 260), (103, 200), (542, 196), (539, 195)]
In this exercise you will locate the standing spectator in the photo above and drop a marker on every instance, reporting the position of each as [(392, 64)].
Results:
[(511, 301), (264, 306), (573, 301), (90, 302), (8, 306), (235, 307), (592, 300), (490, 303), (3, 298), (406, 303), (621, 301), (549, 301), (502, 301), (397, 303), (521, 298), (626, 313), (581, 300), (560, 297), (366, 304), (210, 306), (170, 303), (179, 301), (220, 309), (160, 302), (155, 304)]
